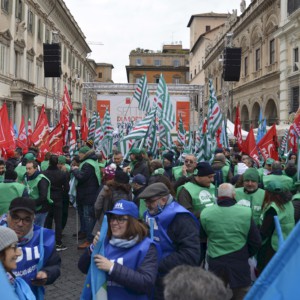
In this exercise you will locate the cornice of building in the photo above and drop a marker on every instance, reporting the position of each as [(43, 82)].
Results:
[(206, 15)]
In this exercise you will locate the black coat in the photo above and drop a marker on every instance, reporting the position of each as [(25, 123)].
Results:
[(87, 181), (59, 184)]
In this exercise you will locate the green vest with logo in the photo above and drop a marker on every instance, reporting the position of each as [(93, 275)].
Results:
[(95, 165), (286, 220), (21, 171), (8, 192), (285, 180), (202, 197), (227, 228), (177, 172), (253, 200), (33, 190)]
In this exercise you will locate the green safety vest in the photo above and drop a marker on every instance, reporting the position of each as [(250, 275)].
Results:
[(21, 171), (177, 172), (286, 220), (285, 180), (225, 171), (1, 178), (95, 165), (9, 191), (227, 228), (253, 200), (33, 191), (44, 165), (142, 208), (202, 197)]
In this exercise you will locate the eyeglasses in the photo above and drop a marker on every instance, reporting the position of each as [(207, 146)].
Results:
[(17, 219), (119, 220), (188, 161)]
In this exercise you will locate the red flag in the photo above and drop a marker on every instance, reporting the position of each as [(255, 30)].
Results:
[(72, 139), (29, 133), (218, 137), (204, 126), (12, 131), (56, 140), (249, 146), (40, 136), (67, 99), (238, 129), (64, 121), (292, 139), (297, 122), (84, 124), (22, 137), (6, 137), (268, 144)]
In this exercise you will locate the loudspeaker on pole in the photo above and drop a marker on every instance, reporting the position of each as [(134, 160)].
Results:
[(232, 64), (52, 60)]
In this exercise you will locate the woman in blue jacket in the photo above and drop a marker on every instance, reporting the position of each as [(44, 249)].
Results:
[(130, 256), (9, 253)]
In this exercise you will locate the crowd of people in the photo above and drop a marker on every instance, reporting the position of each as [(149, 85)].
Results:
[(177, 228)]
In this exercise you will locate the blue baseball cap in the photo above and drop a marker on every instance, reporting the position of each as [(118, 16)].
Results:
[(125, 207), (139, 179)]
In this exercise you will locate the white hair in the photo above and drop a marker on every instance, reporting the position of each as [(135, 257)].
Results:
[(226, 190)]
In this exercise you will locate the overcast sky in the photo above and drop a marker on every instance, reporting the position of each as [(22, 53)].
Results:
[(126, 25)]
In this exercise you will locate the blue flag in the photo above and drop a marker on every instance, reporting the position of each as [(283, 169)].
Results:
[(260, 132), (95, 282), (7, 291), (279, 280)]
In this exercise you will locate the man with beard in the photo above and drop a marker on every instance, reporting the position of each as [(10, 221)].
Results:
[(250, 195)]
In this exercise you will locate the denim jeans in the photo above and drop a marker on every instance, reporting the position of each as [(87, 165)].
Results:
[(40, 219), (89, 221)]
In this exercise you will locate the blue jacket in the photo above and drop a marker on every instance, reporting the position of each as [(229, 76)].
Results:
[(28, 261), (136, 282)]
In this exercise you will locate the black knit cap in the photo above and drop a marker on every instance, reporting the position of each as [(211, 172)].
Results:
[(204, 169), (121, 177), (169, 156)]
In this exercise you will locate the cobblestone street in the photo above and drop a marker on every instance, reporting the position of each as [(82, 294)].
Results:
[(69, 284)]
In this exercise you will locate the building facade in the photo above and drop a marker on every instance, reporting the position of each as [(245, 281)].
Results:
[(104, 72), (24, 26), (259, 86), (204, 28), (172, 62), (288, 35)]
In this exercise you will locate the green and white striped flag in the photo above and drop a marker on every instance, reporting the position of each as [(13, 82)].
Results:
[(107, 126), (190, 146), (202, 142), (214, 112), (152, 139), (141, 94), (165, 111), (181, 132), (99, 135), (141, 129), (92, 127)]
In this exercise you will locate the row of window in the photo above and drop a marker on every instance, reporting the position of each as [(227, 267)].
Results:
[(157, 62), (6, 6), (175, 79)]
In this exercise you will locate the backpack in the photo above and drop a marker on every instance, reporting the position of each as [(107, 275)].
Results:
[(218, 178)]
